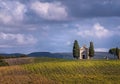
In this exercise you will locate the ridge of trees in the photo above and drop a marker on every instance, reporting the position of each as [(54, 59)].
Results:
[(7, 57)]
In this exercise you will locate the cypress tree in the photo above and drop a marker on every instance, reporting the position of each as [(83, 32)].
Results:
[(76, 49), (91, 50), (117, 52)]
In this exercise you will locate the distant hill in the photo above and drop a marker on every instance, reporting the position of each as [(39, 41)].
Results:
[(102, 55), (63, 55), (48, 54), (13, 54), (98, 55), (39, 54)]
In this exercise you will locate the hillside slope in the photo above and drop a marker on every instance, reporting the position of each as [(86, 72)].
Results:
[(59, 71)]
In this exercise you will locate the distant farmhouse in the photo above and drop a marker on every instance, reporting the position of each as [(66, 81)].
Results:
[(84, 53)]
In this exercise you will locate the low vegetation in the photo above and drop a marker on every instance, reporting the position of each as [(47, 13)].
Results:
[(7, 57), (19, 61), (59, 71), (3, 63), (115, 52)]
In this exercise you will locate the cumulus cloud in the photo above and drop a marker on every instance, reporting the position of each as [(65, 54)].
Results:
[(32, 19), (50, 10), (97, 31), (94, 8), (11, 11), (18, 39), (15, 10)]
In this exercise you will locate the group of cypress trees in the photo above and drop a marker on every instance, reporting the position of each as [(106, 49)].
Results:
[(76, 50)]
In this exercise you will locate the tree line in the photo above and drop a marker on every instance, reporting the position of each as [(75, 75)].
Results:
[(7, 57)]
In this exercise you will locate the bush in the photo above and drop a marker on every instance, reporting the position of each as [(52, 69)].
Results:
[(1, 57), (3, 63)]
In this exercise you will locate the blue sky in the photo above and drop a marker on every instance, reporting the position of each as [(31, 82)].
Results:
[(53, 25)]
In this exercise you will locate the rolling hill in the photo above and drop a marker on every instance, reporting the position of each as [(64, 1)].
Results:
[(62, 71), (65, 55), (98, 55)]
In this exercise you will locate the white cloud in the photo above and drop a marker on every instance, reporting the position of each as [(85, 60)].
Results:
[(6, 46), (68, 43), (11, 11), (19, 39), (50, 11), (101, 49), (97, 31)]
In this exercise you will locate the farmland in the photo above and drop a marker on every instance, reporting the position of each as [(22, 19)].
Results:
[(60, 71)]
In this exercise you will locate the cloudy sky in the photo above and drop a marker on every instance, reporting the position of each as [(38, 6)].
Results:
[(53, 25)]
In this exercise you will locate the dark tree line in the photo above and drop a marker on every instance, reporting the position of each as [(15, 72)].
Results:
[(7, 57)]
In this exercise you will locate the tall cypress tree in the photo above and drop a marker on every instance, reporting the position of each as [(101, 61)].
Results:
[(91, 50), (117, 52), (76, 50)]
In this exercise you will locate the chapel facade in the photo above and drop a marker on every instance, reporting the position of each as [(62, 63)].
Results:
[(84, 53)]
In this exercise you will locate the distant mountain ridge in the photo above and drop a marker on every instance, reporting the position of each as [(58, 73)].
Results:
[(48, 54), (12, 54), (98, 55)]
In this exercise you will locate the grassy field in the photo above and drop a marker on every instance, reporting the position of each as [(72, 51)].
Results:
[(59, 71), (19, 61)]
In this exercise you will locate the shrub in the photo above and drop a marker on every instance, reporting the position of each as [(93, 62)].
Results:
[(3, 63)]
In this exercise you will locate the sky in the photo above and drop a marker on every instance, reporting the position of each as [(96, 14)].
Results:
[(53, 25)]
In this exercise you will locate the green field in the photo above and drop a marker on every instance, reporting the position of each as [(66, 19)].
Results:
[(60, 71)]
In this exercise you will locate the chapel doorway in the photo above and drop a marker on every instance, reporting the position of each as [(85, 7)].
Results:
[(83, 56)]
